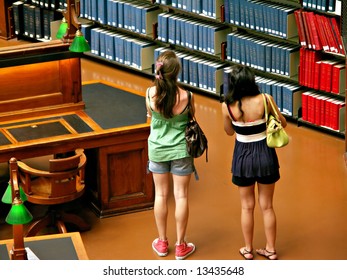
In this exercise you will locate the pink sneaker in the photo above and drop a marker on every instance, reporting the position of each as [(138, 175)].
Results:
[(184, 250), (160, 247)]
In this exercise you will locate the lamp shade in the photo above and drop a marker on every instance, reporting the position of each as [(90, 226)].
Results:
[(79, 43), (62, 29), (7, 197), (19, 214)]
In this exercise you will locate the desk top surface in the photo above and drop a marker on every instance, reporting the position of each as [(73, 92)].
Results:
[(63, 246), (110, 113)]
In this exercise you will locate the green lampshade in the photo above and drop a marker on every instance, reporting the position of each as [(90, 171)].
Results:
[(62, 29), (79, 43), (19, 214), (7, 197)]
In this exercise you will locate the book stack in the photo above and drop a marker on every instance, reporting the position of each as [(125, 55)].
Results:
[(34, 20), (121, 48), (192, 33), (323, 110), (319, 32), (262, 54), (333, 6), (271, 18), (321, 74)]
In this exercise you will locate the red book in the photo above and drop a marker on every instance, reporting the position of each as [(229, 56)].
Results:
[(302, 66), (323, 71), (321, 32), (317, 70), (309, 39), (317, 110), (300, 26), (328, 74), (311, 113), (330, 36), (338, 80), (316, 43), (323, 110), (304, 104), (337, 34)]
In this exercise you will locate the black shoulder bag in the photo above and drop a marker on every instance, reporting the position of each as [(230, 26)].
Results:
[(196, 140)]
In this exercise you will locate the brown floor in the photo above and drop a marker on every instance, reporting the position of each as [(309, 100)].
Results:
[(310, 198)]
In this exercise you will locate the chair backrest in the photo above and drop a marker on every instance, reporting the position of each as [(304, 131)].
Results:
[(63, 181)]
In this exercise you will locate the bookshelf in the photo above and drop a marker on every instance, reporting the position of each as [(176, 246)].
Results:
[(6, 20), (209, 36)]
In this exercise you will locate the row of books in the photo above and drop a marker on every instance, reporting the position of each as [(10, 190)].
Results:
[(208, 8), (319, 32), (263, 16), (322, 74), (323, 110), (333, 6), (286, 95), (47, 4), (135, 16), (192, 33), (121, 48), (262, 54), (33, 21), (197, 71)]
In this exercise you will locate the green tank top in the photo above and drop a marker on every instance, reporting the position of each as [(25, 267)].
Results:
[(167, 137)]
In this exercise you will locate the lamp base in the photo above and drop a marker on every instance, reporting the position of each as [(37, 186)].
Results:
[(18, 254)]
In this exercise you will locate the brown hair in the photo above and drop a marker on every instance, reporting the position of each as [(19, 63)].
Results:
[(167, 69)]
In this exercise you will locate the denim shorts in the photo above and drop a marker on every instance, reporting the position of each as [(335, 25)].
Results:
[(182, 166)]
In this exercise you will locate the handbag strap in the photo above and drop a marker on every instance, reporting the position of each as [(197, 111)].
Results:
[(265, 106), (190, 114), (272, 105)]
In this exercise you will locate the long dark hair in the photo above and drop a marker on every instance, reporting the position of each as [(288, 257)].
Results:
[(241, 83), (167, 69)]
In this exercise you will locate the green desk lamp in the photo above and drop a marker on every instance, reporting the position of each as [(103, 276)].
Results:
[(18, 214)]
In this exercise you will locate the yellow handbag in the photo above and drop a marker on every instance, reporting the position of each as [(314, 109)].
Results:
[(276, 136)]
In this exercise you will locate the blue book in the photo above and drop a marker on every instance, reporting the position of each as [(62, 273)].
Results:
[(227, 11), (195, 35), (110, 46), (95, 44), (102, 39), (237, 12), (120, 48), (178, 35), (268, 57), (128, 51), (109, 11), (120, 11), (319, 5), (126, 15), (93, 10), (185, 69), (183, 32), (164, 27), (332, 6), (192, 71), (200, 73), (229, 47), (325, 5), (171, 22), (102, 11), (38, 23)]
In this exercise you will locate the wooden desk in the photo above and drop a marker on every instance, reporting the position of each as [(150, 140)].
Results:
[(64, 246), (116, 176), (40, 86)]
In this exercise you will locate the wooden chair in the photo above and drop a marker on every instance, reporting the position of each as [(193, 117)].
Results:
[(62, 183)]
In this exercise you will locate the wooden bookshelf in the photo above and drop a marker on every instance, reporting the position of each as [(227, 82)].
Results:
[(6, 20)]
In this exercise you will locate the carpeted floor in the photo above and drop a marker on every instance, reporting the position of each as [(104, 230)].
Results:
[(110, 107)]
